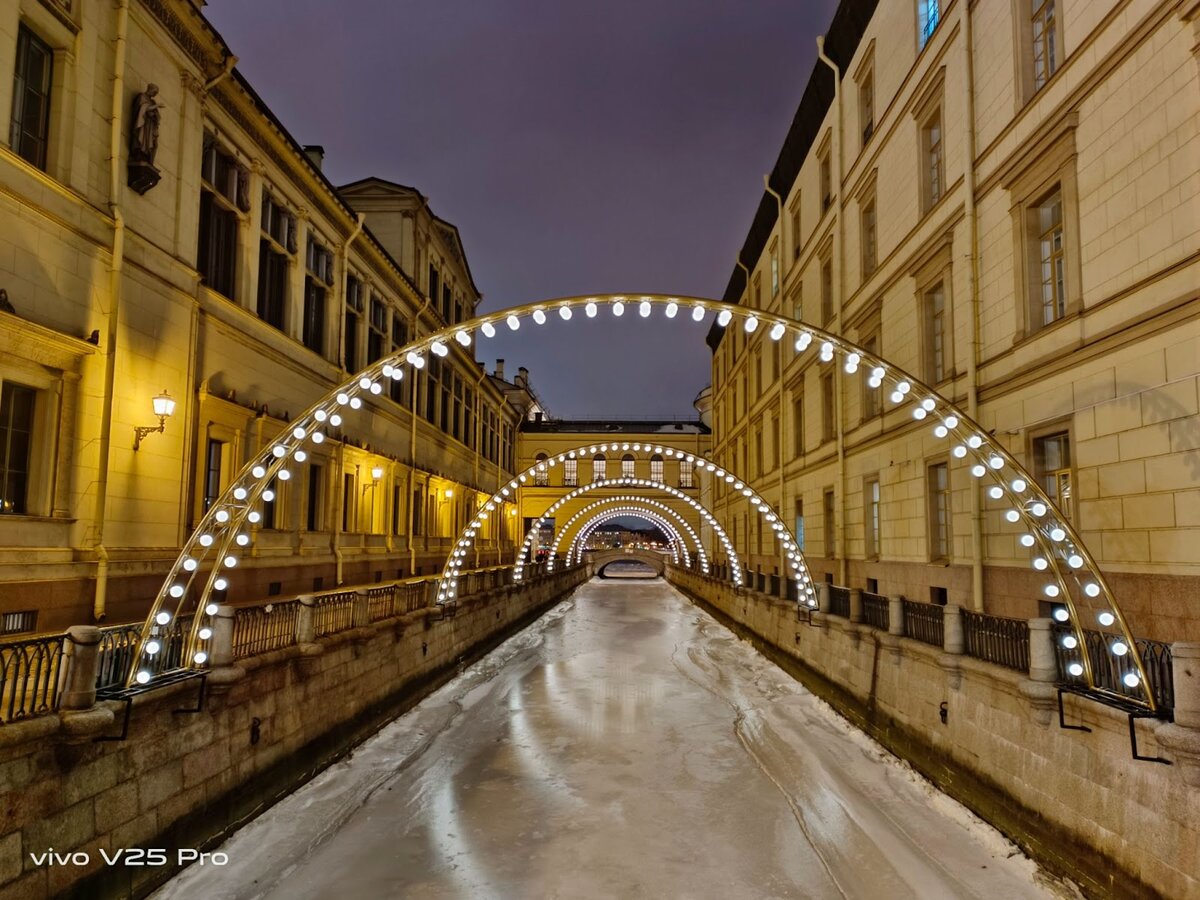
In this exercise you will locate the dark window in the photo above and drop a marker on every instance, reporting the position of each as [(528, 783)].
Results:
[(16, 438), (399, 389), (829, 523), (30, 130), (212, 472), (269, 506), (938, 490), (216, 255), (397, 521), (316, 483), (272, 284), (354, 310), (378, 331), (418, 504), (348, 516), (1052, 463), (318, 278)]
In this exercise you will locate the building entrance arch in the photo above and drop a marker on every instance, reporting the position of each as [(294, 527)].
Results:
[(210, 554)]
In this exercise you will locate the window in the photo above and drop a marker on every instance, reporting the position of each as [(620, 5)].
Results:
[(687, 470), (397, 511), (399, 389), (541, 477), (829, 523), (349, 513), (826, 290), (627, 466), (1051, 256), (871, 518), (314, 513), (797, 237), (758, 454), (318, 277), (828, 429), (775, 269), (938, 490), (270, 505), (656, 468), (418, 510), (213, 458), (598, 467), (29, 133), (18, 622), (353, 324), (870, 395), (797, 423), (433, 284), (868, 227), (1045, 42), (570, 472), (825, 173), (866, 105), (221, 181), (799, 524), (928, 14), (16, 443), (775, 442), (1052, 465), (933, 314), (279, 236), (377, 332), (933, 178)]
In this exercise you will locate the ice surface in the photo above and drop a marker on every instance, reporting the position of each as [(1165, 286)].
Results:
[(625, 746)]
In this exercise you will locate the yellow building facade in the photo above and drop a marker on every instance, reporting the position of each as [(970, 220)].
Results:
[(1003, 199), (178, 240)]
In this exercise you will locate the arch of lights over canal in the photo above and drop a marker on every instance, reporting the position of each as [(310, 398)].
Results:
[(644, 507), (210, 554), (633, 508)]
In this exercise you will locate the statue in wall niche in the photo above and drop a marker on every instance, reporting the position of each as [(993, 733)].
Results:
[(243, 189), (143, 139)]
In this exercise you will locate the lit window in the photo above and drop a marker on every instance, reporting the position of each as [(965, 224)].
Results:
[(599, 465), (928, 14), (541, 475), (799, 524), (627, 466), (570, 472), (656, 468)]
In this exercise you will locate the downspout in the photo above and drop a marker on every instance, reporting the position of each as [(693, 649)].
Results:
[(346, 281), (339, 512), (777, 349), (100, 602), (746, 536), (973, 295), (838, 296), (475, 416), (412, 448)]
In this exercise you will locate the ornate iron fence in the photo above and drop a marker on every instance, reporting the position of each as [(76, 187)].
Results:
[(839, 601), (29, 677), (1109, 669), (996, 639), (381, 602), (260, 629), (876, 610), (333, 612), (923, 622)]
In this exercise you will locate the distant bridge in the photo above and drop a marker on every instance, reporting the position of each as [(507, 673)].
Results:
[(600, 559)]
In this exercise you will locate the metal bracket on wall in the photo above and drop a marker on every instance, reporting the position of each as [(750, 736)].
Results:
[(1130, 713), (126, 695)]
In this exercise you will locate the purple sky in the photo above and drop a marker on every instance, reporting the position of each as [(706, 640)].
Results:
[(616, 146)]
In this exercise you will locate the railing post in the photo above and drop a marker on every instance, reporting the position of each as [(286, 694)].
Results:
[(856, 610), (952, 629), (81, 652), (306, 628), (1043, 664), (824, 600), (1182, 739), (361, 613), (223, 672), (896, 616)]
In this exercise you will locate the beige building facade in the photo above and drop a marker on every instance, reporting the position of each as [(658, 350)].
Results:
[(179, 240), (1003, 199)]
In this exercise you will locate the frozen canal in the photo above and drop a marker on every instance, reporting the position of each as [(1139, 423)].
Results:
[(626, 746)]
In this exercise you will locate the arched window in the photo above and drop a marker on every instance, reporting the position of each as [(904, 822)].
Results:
[(541, 476), (627, 465), (685, 474), (598, 467), (656, 468)]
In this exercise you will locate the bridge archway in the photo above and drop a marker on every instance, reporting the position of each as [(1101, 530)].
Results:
[(210, 554), (644, 507), (599, 560)]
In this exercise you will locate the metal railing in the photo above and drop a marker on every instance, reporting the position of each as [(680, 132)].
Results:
[(333, 612), (923, 622), (260, 629), (29, 677), (118, 645), (1109, 669), (876, 610), (996, 639), (839, 601)]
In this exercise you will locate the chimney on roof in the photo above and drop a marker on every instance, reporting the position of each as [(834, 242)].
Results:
[(537, 416), (523, 377), (500, 369), (315, 154)]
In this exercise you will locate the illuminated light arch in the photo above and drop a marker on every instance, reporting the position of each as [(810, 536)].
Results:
[(674, 536), (660, 509), (447, 585), (674, 539), (210, 552)]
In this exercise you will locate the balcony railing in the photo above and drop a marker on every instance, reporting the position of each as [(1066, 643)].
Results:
[(876, 610), (839, 601), (923, 622), (260, 629), (996, 639)]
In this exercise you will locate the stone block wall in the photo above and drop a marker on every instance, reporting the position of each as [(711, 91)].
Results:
[(184, 780), (1075, 801)]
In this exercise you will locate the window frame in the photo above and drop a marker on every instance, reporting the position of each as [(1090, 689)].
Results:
[(1035, 438), (872, 519), (20, 92), (938, 500)]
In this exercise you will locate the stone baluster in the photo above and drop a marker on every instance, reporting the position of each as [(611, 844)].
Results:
[(306, 628), (952, 629), (1043, 663), (223, 671), (824, 599), (361, 617), (856, 609), (82, 655), (896, 616)]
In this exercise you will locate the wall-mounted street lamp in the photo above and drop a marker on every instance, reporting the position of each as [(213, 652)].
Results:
[(164, 408), (449, 493), (377, 473)]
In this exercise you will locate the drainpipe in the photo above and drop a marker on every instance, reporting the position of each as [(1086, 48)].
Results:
[(412, 447), (838, 296), (346, 280), (99, 612), (475, 441), (777, 349), (746, 536), (972, 217), (339, 512)]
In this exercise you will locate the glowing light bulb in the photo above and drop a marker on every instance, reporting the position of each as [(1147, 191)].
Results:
[(335, 420), (978, 470), (189, 564), (488, 329), (1040, 563), (1038, 509), (940, 431), (163, 618), (343, 398), (268, 495), (1092, 589), (258, 471), (1075, 561), (1051, 590), (211, 609), (320, 415), (995, 492), (143, 677), (751, 324), (1131, 680), (1061, 614), (724, 317), (153, 647), (283, 475), (1106, 618), (239, 493), (539, 317), (355, 403), (1070, 642), (1120, 648), (463, 338), (803, 341), (206, 540), (1075, 669), (300, 456), (1013, 516), (201, 657)]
